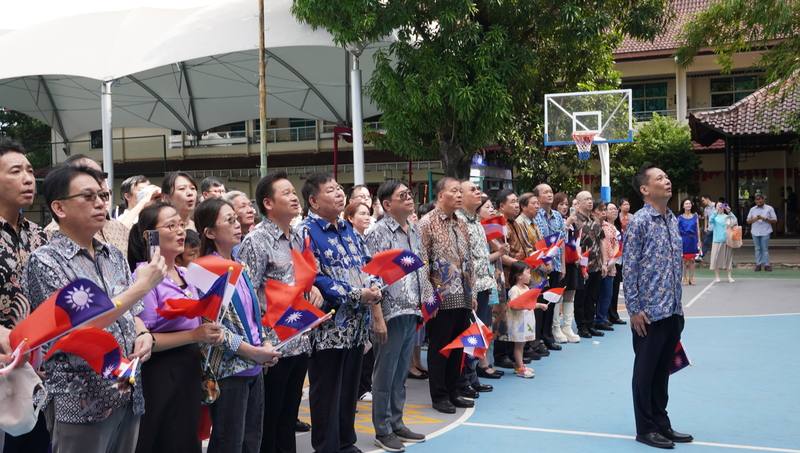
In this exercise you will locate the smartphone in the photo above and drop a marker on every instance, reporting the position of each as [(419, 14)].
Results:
[(572, 210), (153, 249)]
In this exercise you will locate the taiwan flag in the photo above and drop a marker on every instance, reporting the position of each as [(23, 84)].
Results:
[(97, 347), (679, 359), (554, 295), (68, 308), (526, 300), (494, 227), (535, 260), (614, 259), (572, 249), (548, 241), (127, 370), (204, 272), (305, 266), (430, 307), (287, 312), (584, 264), (392, 265), (208, 306), (471, 340)]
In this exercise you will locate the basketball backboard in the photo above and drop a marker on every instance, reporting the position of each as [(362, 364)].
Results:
[(609, 113)]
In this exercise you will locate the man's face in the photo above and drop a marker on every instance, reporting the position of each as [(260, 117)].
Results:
[(214, 192), (244, 210), (402, 202), (532, 208), (545, 195), (361, 195), (658, 185), (472, 195), (284, 204), (84, 207), (510, 208), (329, 202), (17, 183), (451, 198), (585, 203), (759, 201)]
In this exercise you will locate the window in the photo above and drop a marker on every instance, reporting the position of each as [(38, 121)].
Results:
[(728, 90), (648, 98), (96, 139)]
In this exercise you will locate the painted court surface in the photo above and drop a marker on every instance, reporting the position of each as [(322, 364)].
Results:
[(741, 394)]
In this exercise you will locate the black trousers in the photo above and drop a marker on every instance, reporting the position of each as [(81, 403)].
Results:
[(334, 375), (443, 372), (171, 385), (283, 390), (613, 314), (365, 384), (36, 441), (544, 318), (654, 353), (586, 301)]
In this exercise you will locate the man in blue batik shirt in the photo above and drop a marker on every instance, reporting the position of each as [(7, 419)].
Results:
[(338, 344), (652, 281)]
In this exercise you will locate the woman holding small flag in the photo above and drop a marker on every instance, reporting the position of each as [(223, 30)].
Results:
[(498, 295), (171, 378), (572, 276), (237, 414), (611, 253)]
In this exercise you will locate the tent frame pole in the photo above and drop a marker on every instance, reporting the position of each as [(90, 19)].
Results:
[(358, 137), (108, 145)]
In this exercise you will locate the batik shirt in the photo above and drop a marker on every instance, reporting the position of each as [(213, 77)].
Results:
[(445, 247), (652, 269), (79, 394), (592, 240), (484, 272), (404, 296), (549, 224), (266, 253), (15, 249), (341, 255)]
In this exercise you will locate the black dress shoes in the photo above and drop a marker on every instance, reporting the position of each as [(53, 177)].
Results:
[(553, 346), (584, 334), (482, 388), (495, 374), (655, 440), (445, 407), (462, 402), (676, 436), (301, 426), (618, 321), (469, 392), (542, 350), (505, 363), (596, 333), (604, 326)]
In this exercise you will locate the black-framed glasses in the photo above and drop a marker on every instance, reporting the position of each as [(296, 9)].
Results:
[(172, 226), (405, 195), (90, 196)]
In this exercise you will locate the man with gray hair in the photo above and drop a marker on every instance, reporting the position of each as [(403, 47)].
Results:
[(244, 209)]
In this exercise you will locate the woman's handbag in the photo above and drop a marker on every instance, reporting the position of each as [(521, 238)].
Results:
[(734, 237), (20, 412)]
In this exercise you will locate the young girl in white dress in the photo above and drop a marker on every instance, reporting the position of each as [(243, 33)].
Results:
[(521, 323)]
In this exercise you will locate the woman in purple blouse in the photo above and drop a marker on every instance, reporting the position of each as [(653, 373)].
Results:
[(238, 362), (171, 378)]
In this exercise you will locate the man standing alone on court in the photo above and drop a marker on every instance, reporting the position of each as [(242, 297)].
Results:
[(761, 218), (652, 283)]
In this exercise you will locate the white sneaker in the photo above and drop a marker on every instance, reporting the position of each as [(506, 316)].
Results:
[(558, 335), (366, 397), (731, 280), (572, 337)]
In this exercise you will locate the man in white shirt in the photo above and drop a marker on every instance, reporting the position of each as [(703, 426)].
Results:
[(761, 218)]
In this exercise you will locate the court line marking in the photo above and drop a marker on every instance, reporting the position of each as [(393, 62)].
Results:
[(455, 424), (624, 436), (766, 315), (695, 298)]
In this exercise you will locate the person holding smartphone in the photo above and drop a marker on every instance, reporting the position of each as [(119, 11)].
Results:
[(721, 253), (761, 218)]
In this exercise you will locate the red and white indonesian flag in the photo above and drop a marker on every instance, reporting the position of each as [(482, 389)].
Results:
[(554, 295), (204, 271)]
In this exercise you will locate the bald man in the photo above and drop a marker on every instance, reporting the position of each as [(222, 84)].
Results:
[(586, 297)]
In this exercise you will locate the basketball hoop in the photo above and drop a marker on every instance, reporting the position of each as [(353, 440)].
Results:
[(583, 140)]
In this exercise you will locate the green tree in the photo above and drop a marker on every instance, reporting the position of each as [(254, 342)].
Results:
[(32, 133), (462, 73), (662, 141), (733, 26)]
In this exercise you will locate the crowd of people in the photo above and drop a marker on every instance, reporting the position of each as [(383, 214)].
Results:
[(367, 351)]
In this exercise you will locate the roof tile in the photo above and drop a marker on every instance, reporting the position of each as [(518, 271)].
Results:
[(667, 41)]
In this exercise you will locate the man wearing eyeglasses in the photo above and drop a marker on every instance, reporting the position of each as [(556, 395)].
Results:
[(19, 237), (114, 231), (85, 411)]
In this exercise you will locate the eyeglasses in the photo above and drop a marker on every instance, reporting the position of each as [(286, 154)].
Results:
[(90, 196), (172, 227), (405, 195)]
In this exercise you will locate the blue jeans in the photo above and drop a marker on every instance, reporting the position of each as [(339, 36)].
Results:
[(392, 362), (761, 244), (604, 301)]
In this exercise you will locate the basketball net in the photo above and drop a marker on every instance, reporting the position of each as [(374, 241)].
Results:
[(583, 140)]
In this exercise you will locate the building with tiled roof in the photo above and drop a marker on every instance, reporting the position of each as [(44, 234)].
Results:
[(666, 43)]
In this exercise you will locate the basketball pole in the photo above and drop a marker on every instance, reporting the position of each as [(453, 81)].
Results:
[(605, 172)]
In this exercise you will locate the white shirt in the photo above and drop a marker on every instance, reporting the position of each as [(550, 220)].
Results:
[(761, 227)]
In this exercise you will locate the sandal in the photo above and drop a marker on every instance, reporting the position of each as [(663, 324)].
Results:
[(525, 372)]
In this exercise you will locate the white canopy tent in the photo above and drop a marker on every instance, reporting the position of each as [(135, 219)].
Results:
[(185, 69)]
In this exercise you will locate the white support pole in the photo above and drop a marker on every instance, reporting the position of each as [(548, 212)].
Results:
[(108, 146), (681, 96), (605, 172), (358, 135)]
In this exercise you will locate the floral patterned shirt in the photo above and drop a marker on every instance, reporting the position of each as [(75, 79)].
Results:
[(79, 394), (592, 240), (266, 253), (652, 269), (404, 296), (552, 223), (15, 249), (445, 247), (484, 272), (341, 255)]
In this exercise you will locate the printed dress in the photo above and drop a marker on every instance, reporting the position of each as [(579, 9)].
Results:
[(521, 323)]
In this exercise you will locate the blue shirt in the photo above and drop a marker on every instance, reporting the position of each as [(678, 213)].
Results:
[(552, 224), (719, 224), (652, 269), (341, 255)]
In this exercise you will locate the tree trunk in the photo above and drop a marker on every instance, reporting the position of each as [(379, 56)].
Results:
[(454, 160)]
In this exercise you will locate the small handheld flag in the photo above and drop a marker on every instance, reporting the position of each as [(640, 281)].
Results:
[(208, 306), (526, 300), (430, 307), (547, 241), (293, 318), (66, 309), (554, 295), (97, 347), (493, 231), (679, 359), (471, 340), (535, 260), (392, 265), (305, 329), (572, 250), (203, 273)]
